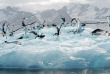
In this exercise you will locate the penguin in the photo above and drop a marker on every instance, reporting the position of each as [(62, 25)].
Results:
[(24, 25), (98, 32), (3, 29), (58, 29), (37, 35), (73, 22), (14, 42), (108, 19)]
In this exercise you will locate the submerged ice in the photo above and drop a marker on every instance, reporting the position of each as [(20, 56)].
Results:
[(66, 51)]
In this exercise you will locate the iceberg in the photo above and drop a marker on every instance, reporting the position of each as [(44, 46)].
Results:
[(66, 51)]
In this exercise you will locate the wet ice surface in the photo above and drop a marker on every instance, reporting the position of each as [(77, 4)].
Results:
[(66, 51)]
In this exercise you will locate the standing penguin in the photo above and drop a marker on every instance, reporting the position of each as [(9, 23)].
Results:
[(58, 29), (3, 29), (79, 27), (73, 22), (24, 25)]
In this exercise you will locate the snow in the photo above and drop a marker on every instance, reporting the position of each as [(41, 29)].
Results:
[(66, 51)]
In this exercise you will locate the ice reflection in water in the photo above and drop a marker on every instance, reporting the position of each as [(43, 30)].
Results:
[(56, 71)]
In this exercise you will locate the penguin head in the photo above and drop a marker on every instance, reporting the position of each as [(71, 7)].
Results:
[(5, 41)]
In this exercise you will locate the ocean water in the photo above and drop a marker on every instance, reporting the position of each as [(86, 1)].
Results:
[(56, 71)]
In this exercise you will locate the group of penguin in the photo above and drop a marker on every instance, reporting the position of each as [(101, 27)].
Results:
[(74, 23)]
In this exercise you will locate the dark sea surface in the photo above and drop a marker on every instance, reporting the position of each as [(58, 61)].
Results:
[(55, 71)]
